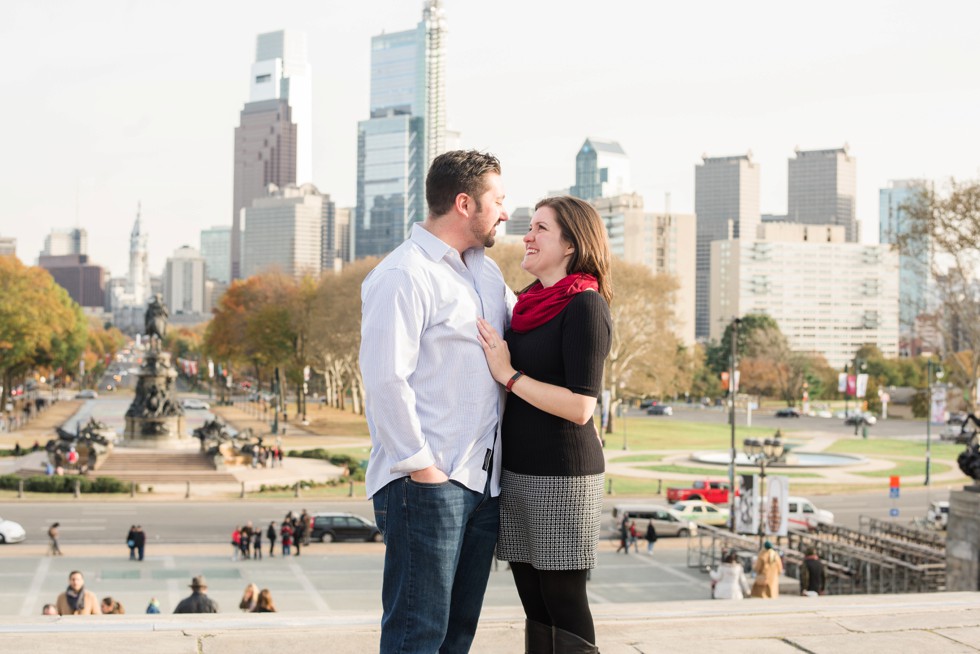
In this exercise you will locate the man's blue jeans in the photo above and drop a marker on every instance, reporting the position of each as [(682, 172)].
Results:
[(440, 540)]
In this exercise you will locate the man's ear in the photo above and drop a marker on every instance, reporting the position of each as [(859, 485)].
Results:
[(464, 204)]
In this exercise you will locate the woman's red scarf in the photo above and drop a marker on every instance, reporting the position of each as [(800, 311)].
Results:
[(537, 305)]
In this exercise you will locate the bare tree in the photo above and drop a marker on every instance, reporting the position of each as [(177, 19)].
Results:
[(946, 225)]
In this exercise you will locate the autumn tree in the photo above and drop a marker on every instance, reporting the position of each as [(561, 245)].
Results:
[(942, 229)]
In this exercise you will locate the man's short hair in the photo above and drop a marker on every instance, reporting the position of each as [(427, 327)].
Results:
[(455, 172)]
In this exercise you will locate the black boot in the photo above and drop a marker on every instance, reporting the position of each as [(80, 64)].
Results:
[(537, 638), (568, 643)]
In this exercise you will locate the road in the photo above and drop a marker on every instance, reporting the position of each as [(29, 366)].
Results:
[(196, 521)]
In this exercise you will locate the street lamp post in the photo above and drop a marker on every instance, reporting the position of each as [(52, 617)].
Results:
[(931, 368), (623, 407), (731, 419), (762, 453)]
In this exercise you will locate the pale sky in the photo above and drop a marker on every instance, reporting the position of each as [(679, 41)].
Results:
[(109, 103)]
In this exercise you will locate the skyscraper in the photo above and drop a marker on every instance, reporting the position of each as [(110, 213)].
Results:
[(914, 262), (602, 170), (405, 131), (273, 142), (216, 250), (726, 202), (183, 282), (283, 231), (822, 189), (61, 242)]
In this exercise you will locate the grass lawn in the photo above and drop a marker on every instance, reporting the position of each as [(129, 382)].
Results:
[(320, 492), (636, 458), (723, 472), (665, 433), (334, 422), (885, 447), (906, 468)]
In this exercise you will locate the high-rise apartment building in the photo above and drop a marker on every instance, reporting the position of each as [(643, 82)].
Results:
[(62, 242), (726, 202), (273, 142), (602, 170), (823, 188), (828, 296), (914, 262), (283, 231), (405, 132), (335, 239), (216, 250), (184, 282), (663, 242), (84, 281)]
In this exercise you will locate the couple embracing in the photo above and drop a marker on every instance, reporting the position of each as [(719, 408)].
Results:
[(480, 407)]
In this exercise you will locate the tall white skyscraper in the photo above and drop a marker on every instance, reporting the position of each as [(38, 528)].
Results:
[(726, 202), (61, 242), (183, 282), (602, 170), (283, 231)]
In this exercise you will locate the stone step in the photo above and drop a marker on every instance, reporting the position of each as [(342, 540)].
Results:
[(195, 477), (130, 462)]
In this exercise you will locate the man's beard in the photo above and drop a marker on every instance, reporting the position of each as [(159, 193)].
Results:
[(487, 239)]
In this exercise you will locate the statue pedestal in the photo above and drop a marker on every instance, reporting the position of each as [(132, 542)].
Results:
[(155, 419), (963, 540)]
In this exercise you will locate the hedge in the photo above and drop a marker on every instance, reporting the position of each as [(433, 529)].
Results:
[(64, 484)]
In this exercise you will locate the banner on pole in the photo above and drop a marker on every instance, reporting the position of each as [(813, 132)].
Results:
[(842, 382), (937, 407), (862, 385), (746, 506), (776, 507)]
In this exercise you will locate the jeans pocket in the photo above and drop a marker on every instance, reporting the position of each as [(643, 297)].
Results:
[(381, 508)]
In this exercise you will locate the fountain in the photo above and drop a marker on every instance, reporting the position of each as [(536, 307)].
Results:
[(155, 419)]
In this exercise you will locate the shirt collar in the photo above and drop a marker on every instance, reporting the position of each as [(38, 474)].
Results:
[(436, 249)]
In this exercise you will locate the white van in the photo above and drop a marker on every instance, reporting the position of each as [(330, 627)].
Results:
[(804, 515), (666, 521)]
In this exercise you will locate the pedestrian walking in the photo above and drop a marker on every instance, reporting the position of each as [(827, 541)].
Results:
[(768, 566), (634, 537), (131, 542), (813, 578), (651, 537), (271, 534), (624, 535), (299, 533), (55, 549), (728, 581), (139, 536)]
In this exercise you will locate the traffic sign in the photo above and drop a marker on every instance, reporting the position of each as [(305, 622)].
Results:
[(893, 493), (894, 481), (893, 513)]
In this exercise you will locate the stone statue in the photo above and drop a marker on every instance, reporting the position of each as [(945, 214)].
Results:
[(969, 459), (156, 318)]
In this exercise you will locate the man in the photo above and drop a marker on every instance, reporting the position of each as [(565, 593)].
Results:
[(433, 408), (812, 577), (76, 600), (198, 601), (139, 538), (271, 534)]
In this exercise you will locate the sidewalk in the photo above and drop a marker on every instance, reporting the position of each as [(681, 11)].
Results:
[(889, 624)]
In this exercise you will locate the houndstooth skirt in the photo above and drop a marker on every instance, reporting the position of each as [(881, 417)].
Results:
[(550, 522)]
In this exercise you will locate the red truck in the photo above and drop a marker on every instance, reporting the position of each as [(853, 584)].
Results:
[(715, 492)]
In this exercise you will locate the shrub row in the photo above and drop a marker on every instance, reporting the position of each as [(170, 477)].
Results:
[(64, 484), (356, 470)]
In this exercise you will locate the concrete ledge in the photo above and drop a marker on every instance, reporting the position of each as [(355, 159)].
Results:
[(937, 623)]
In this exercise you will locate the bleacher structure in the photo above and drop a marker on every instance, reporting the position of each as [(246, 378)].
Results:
[(880, 557)]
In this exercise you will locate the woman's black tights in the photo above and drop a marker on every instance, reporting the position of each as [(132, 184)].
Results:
[(555, 597)]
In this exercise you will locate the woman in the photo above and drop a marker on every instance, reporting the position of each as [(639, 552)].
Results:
[(250, 598), (236, 543), (768, 566), (55, 549), (550, 362), (729, 579), (112, 607), (265, 603), (651, 537), (131, 542)]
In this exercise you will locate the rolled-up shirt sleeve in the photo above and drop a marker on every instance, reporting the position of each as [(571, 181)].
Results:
[(392, 321)]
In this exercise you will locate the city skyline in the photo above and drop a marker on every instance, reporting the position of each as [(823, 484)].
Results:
[(110, 113)]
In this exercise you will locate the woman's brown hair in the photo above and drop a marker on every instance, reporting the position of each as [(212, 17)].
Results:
[(582, 227)]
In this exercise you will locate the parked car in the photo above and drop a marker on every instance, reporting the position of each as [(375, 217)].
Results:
[(700, 511), (660, 410), (329, 527), (708, 490), (804, 515), (194, 404), (938, 514), (666, 521), (87, 394), (11, 532), (787, 412), (860, 419)]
